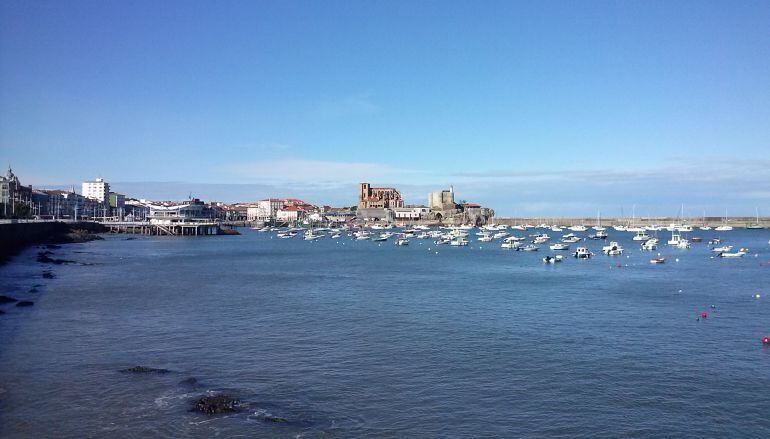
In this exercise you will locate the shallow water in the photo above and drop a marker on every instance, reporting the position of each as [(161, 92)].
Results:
[(350, 338)]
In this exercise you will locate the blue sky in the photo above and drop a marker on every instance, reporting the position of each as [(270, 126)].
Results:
[(532, 108)]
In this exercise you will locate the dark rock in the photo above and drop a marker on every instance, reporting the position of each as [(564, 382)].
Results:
[(44, 258), (33, 290), (192, 382), (25, 303), (276, 419), (216, 404), (7, 299), (48, 275), (144, 369), (53, 246), (223, 231), (80, 235)]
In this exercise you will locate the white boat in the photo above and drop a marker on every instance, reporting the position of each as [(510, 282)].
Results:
[(641, 236), (571, 240), (724, 227), (613, 249), (442, 241), (511, 244), (402, 241), (738, 254), (582, 253), (578, 228), (722, 249), (677, 240), (556, 228), (310, 236), (619, 228), (484, 237), (499, 235), (529, 248), (459, 241), (335, 236), (287, 235), (552, 259), (601, 234), (382, 237), (658, 260), (559, 246), (650, 244)]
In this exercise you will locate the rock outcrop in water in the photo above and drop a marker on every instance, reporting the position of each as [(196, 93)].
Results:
[(274, 419), (45, 258), (24, 303), (192, 382), (48, 275), (214, 404), (7, 299), (144, 369)]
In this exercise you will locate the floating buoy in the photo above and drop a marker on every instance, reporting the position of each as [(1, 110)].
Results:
[(713, 306), (680, 291), (704, 315), (765, 340), (757, 296), (677, 259)]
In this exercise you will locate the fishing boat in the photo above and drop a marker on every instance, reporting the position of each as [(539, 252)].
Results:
[(738, 254), (552, 259), (614, 249), (529, 248), (582, 253), (286, 235), (511, 244), (657, 260), (459, 241), (650, 244), (559, 246), (382, 237), (641, 236), (310, 236), (722, 249), (484, 237), (677, 240), (402, 241), (578, 228)]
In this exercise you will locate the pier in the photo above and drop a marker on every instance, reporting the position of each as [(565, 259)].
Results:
[(187, 228)]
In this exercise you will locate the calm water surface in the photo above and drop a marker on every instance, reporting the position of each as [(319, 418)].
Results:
[(351, 338)]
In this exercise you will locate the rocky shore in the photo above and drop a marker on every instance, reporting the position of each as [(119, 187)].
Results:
[(16, 236)]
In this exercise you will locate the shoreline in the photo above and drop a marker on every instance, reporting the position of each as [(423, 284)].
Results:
[(15, 237)]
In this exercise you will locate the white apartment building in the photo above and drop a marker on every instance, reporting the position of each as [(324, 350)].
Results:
[(97, 190), (265, 210), (411, 213)]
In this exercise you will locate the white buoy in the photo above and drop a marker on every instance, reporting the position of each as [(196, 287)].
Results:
[(677, 259), (757, 296), (680, 291)]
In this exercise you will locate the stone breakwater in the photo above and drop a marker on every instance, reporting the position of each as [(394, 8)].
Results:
[(16, 236)]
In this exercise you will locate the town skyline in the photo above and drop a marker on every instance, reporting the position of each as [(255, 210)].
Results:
[(553, 110)]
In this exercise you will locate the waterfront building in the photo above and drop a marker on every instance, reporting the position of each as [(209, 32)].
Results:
[(378, 197), (411, 213), (97, 190), (291, 214), (171, 213), (71, 205), (15, 197)]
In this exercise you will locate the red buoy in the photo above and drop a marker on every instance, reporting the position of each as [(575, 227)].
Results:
[(765, 340), (704, 315)]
